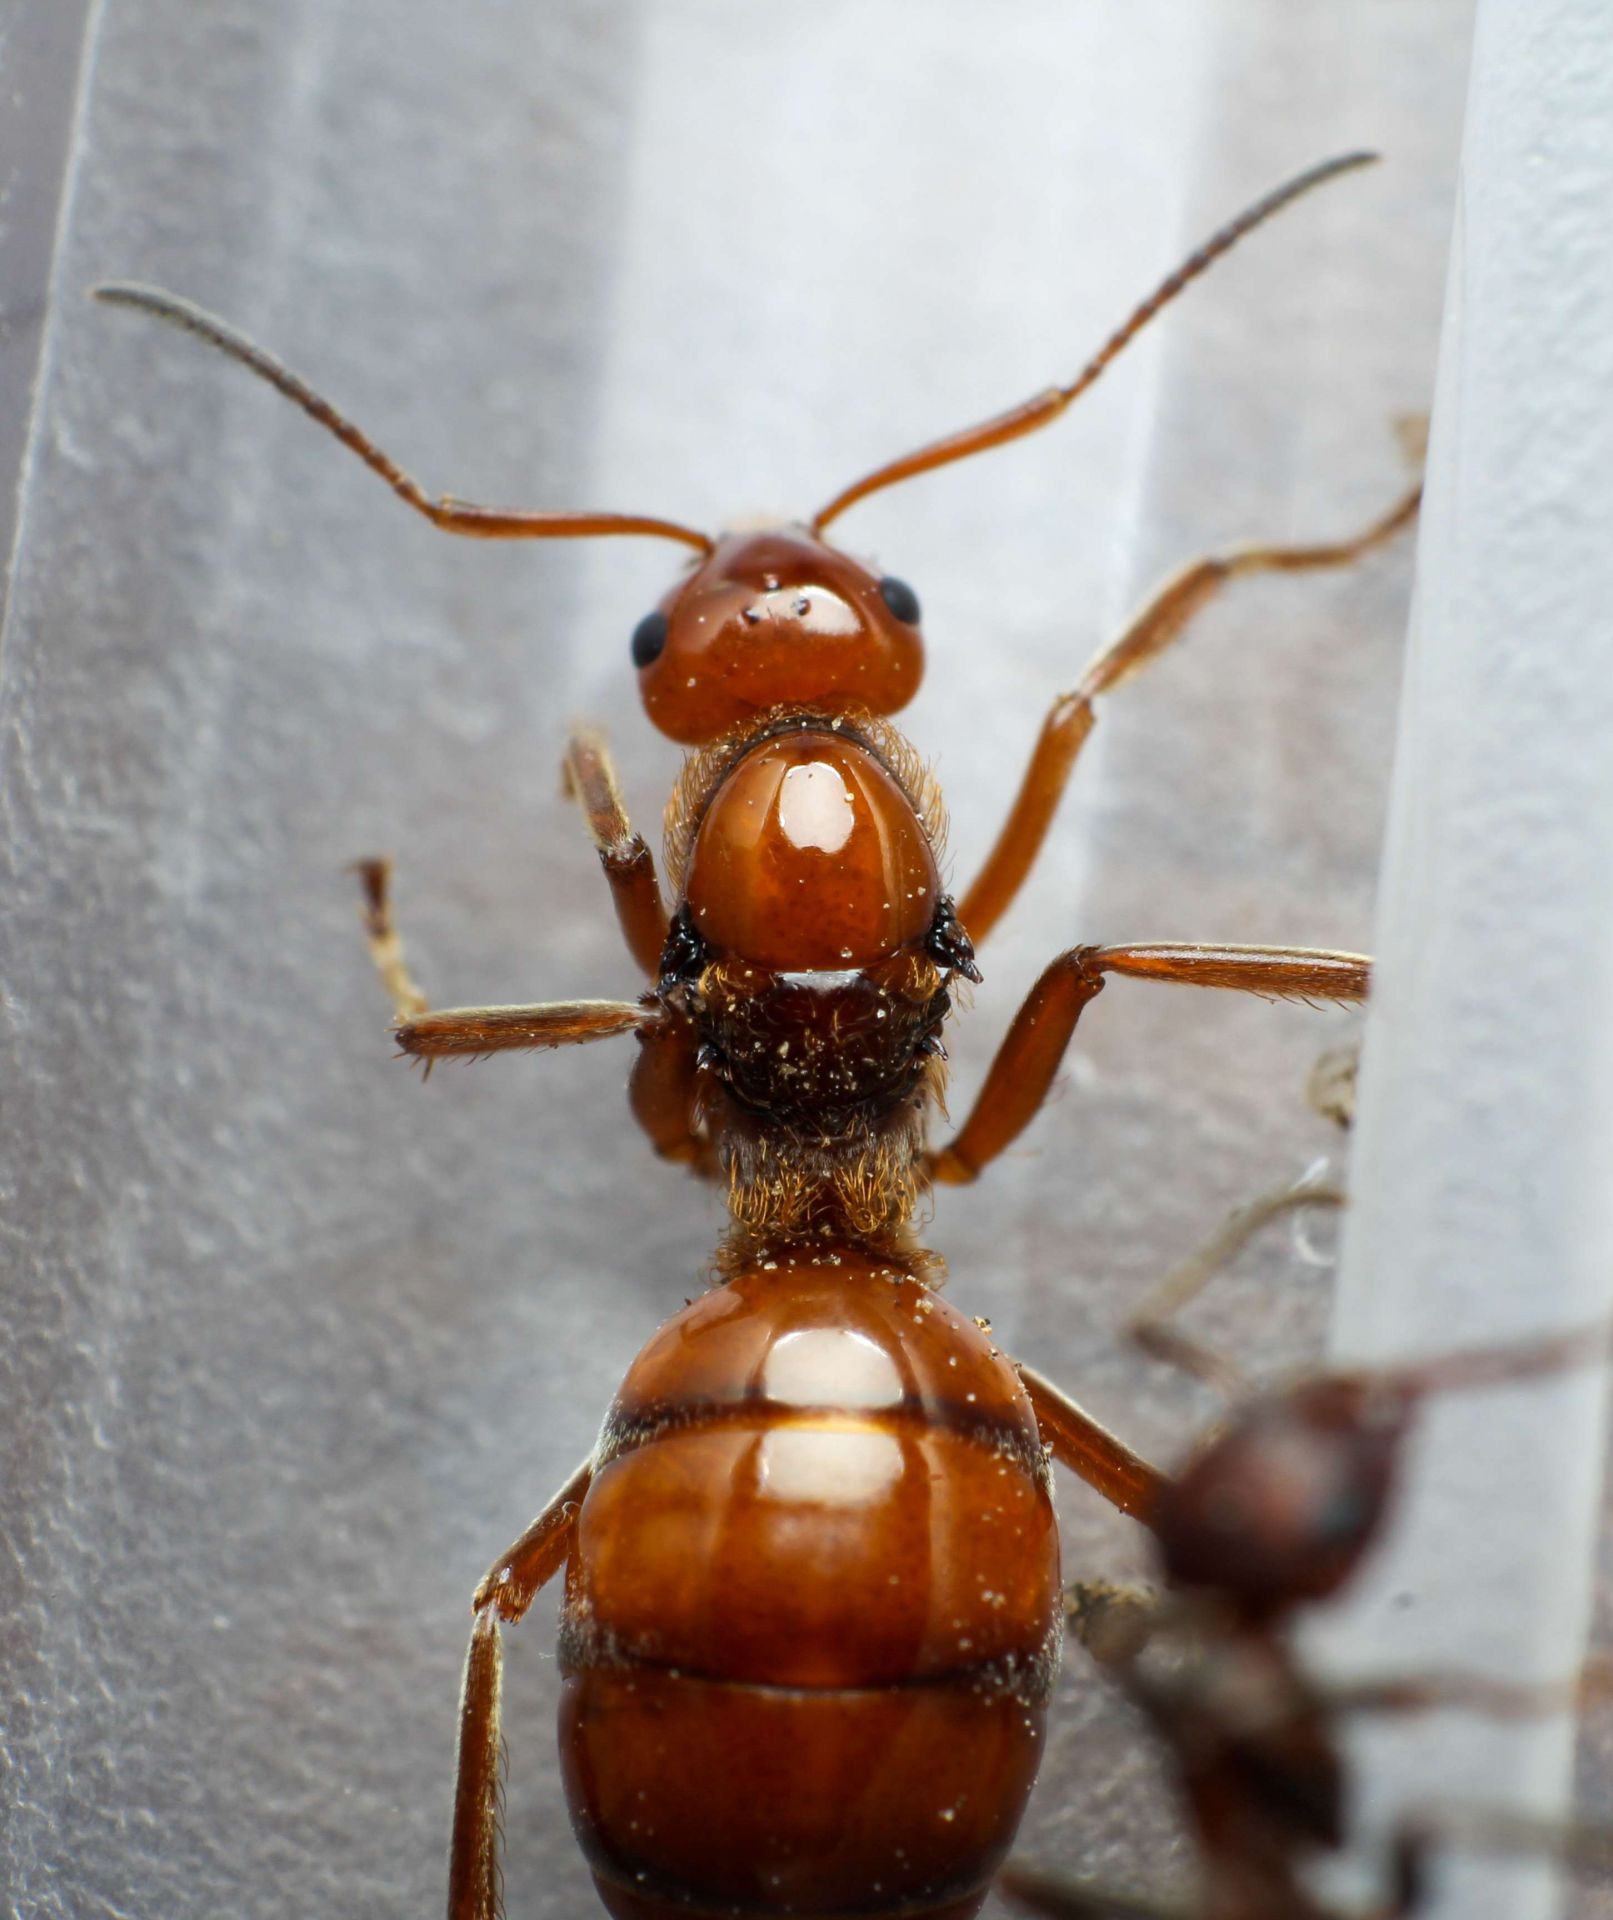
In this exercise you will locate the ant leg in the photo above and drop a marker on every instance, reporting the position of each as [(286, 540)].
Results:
[(386, 949), (512, 1583), (1023, 1070), (1105, 1463), (428, 1035), (1575, 1845), (1062, 1899), (1331, 1088), (662, 1093), (469, 1032), (506, 1592), (1148, 1327), (1070, 719), (1466, 1693), (1331, 1092), (1114, 1623), (473, 1864), (590, 779)]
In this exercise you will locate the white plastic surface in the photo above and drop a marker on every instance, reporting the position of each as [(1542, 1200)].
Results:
[(1483, 1176)]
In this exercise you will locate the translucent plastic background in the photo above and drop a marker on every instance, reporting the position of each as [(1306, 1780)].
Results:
[(294, 1343)]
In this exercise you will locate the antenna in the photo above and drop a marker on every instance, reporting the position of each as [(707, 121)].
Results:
[(453, 516), (1043, 408)]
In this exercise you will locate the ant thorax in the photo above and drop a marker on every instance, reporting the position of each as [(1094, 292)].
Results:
[(811, 958)]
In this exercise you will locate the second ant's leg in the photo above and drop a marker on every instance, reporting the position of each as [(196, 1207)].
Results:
[(506, 1591), (1029, 1057), (1150, 1326), (629, 865), (1114, 1623), (1576, 1845), (1479, 1693), (1332, 1086), (1104, 1462), (1332, 1094), (1071, 717)]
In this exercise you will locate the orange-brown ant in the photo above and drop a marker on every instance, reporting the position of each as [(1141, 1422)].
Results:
[(811, 1609)]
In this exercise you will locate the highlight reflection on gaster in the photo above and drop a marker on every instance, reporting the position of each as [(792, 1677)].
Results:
[(830, 1467), (830, 1367)]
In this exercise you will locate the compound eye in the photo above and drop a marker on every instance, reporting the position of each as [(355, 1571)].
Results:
[(649, 637), (901, 599)]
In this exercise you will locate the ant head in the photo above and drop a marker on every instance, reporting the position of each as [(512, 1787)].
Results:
[(770, 619), (762, 620), (1279, 1508)]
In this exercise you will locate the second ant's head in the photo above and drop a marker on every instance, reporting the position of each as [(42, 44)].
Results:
[(1279, 1508), (770, 619)]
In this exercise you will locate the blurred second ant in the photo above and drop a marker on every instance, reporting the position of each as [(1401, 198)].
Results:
[(1272, 1515)]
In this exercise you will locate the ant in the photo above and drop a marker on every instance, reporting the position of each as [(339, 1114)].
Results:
[(1273, 1514), (812, 1587)]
